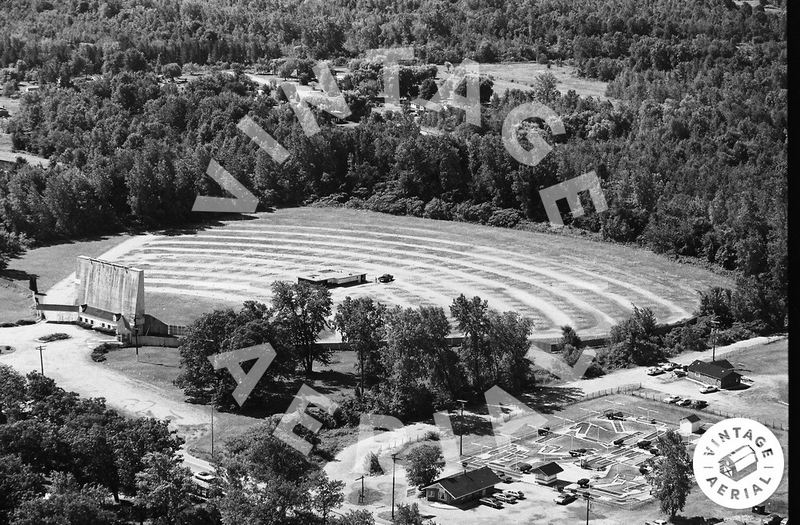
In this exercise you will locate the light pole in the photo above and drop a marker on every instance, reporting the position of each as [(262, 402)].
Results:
[(461, 429), (212, 429), (41, 360), (394, 460)]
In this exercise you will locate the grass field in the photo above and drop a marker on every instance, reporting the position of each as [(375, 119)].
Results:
[(521, 75), (555, 280), (49, 264)]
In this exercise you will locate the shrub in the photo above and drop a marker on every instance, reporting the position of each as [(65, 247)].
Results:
[(99, 352), (432, 435), (737, 332), (58, 336), (438, 209), (505, 218), (7, 325), (468, 212), (24, 322)]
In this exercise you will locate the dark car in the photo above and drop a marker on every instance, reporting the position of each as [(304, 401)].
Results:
[(576, 452), (643, 469), (386, 278), (619, 442), (654, 451), (610, 414), (645, 444), (699, 404), (544, 431), (583, 482), (523, 467)]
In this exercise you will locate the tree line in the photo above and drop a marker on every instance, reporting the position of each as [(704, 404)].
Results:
[(406, 365)]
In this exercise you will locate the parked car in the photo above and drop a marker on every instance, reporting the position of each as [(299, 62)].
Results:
[(644, 443), (583, 482), (515, 493), (679, 373), (684, 402), (505, 478), (386, 278), (672, 399), (654, 451), (643, 469), (611, 414), (699, 403), (653, 371), (708, 389), (543, 431), (772, 519), (577, 452), (565, 499), (491, 502), (505, 498), (206, 476), (619, 442)]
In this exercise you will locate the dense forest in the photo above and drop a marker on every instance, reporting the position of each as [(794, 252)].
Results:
[(691, 148)]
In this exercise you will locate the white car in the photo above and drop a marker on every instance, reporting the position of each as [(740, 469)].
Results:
[(654, 371), (672, 399), (505, 498), (515, 493), (708, 389), (206, 476)]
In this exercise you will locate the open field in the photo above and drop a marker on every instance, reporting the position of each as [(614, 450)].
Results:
[(521, 75), (554, 280), (50, 265)]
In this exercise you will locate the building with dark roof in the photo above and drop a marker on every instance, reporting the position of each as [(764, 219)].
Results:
[(689, 424), (463, 487), (720, 373), (546, 473)]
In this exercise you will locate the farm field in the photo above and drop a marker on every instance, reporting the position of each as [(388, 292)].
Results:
[(554, 280)]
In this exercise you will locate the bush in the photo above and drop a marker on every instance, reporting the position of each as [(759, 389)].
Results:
[(505, 218), (468, 212), (438, 209), (7, 325), (99, 352), (25, 322), (432, 435), (58, 336), (737, 332)]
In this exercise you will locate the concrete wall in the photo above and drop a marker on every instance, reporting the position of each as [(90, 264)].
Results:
[(111, 287)]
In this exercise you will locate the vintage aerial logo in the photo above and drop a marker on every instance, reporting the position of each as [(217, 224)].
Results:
[(738, 463)]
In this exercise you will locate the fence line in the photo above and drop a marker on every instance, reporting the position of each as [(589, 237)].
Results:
[(771, 423)]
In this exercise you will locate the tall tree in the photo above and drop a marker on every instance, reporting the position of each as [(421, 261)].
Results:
[(361, 321), (164, 489), (304, 308), (671, 473)]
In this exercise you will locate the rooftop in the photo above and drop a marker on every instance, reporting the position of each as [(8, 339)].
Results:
[(716, 369), (466, 483)]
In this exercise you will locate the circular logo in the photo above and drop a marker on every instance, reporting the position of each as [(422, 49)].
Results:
[(738, 463)]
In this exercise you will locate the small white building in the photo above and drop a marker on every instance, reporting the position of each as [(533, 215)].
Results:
[(546, 474), (690, 424)]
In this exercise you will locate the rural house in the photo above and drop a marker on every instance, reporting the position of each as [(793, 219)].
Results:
[(462, 487), (719, 373)]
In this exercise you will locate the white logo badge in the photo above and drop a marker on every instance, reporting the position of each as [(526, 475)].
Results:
[(738, 463)]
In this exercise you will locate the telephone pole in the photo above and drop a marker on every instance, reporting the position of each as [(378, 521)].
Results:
[(41, 360), (394, 459), (461, 429)]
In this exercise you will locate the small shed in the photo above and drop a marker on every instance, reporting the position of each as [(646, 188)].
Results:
[(690, 424), (719, 373), (547, 473)]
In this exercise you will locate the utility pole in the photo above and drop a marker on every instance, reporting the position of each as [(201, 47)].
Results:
[(41, 360), (588, 498), (461, 429), (136, 337), (714, 324), (394, 459), (212, 429), (361, 494)]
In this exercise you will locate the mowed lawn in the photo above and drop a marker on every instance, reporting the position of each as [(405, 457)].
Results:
[(49, 264)]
